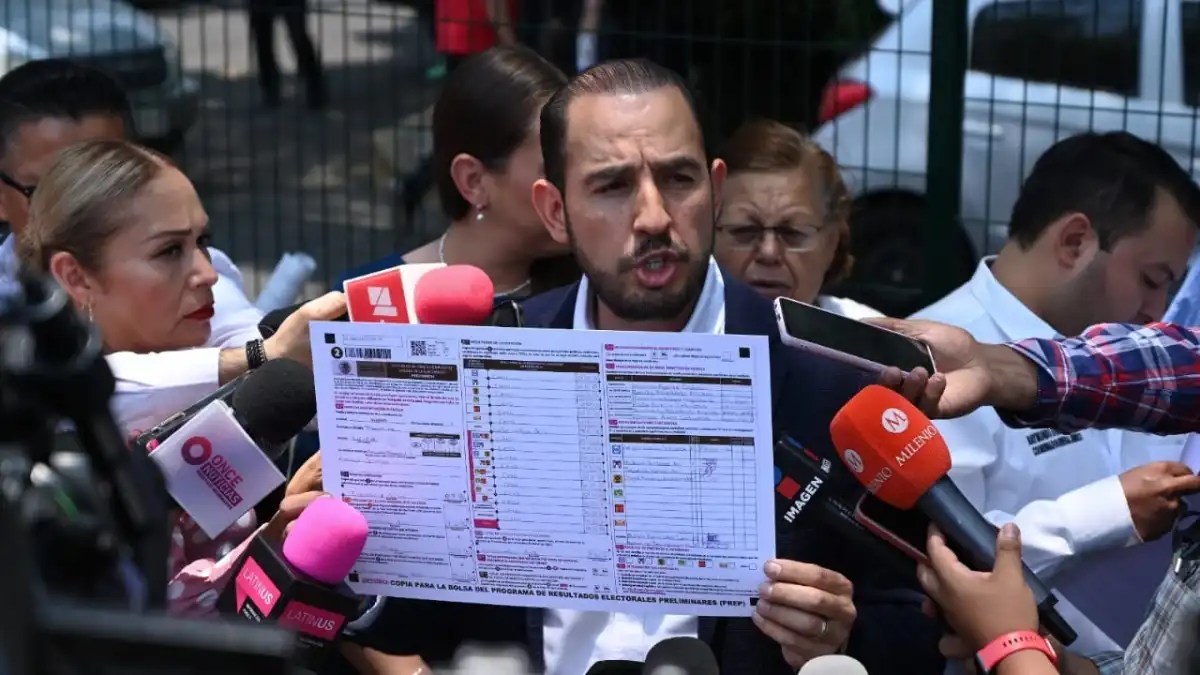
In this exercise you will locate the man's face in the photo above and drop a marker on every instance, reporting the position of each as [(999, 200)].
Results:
[(1130, 283), (638, 208), (31, 150)]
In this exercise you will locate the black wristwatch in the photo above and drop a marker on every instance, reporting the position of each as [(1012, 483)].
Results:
[(256, 354)]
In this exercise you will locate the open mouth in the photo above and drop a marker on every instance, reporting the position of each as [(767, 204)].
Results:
[(203, 314), (658, 269)]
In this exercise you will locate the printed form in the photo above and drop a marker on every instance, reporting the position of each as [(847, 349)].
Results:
[(565, 469)]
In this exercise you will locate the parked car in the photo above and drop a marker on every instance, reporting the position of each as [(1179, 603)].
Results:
[(113, 36), (1038, 71)]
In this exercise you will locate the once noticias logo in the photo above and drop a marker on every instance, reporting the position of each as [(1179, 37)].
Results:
[(380, 298), (853, 460), (213, 469), (894, 420)]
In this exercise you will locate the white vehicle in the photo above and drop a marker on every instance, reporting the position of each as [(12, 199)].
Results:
[(112, 36), (1038, 71)]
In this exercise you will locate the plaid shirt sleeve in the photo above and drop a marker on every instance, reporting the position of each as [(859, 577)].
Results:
[(1109, 663), (1117, 375)]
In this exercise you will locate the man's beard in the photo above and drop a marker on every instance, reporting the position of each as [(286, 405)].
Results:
[(636, 304)]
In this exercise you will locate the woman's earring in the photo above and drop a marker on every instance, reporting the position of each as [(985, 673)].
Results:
[(478, 213), (91, 316)]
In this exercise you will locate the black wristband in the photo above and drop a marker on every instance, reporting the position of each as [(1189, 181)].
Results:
[(256, 354)]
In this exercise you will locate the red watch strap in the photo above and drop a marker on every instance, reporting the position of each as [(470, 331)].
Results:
[(1009, 643)]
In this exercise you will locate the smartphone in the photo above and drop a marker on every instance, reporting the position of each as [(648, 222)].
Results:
[(904, 530), (862, 345)]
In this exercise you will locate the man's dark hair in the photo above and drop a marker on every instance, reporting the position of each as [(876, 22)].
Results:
[(57, 88), (621, 76), (1112, 178), (486, 110)]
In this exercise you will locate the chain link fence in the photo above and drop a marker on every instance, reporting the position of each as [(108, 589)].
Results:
[(280, 172)]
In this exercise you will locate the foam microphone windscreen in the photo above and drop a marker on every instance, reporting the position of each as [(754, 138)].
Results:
[(455, 295), (891, 447), (833, 664), (326, 540), (680, 656), (276, 400)]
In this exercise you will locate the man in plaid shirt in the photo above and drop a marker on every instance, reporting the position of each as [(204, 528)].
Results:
[(1112, 376)]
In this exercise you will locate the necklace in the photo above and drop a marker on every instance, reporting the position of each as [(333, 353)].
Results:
[(500, 294)]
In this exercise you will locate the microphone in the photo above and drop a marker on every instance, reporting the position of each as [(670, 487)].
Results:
[(680, 656), (386, 296), (898, 454), (272, 403), (219, 463), (833, 664), (301, 585), (456, 295), (810, 486)]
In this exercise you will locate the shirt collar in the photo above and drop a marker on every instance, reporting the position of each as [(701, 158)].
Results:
[(707, 317), (1012, 317)]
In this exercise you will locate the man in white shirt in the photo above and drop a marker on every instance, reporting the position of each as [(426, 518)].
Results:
[(49, 105), (630, 188), (1102, 228)]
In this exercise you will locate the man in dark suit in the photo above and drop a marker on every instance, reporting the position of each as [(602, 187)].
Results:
[(630, 188)]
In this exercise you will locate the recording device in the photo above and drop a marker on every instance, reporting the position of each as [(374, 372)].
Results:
[(833, 664), (454, 295), (301, 585), (680, 656), (893, 449), (862, 345), (52, 370), (813, 488), (272, 403)]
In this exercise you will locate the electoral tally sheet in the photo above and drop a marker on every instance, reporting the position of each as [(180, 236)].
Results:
[(587, 470)]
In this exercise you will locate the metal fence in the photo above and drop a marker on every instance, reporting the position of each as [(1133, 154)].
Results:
[(1003, 80)]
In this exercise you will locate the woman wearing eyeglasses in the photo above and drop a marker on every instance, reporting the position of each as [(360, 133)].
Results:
[(784, 225)]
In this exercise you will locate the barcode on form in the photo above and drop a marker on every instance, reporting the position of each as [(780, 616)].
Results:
[(368, 353)]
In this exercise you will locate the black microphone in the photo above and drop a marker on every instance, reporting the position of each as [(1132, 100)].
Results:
[(811, 488), (272, 403), (680, 656), (301, 584), (616, 667)]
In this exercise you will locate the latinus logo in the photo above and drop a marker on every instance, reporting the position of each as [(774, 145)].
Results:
[(911, 448), (380, 298)]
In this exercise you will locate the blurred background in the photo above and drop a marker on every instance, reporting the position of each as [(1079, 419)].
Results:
[(934, 135)]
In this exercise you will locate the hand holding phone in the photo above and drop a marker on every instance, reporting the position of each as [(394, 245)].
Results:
[(861, 345)]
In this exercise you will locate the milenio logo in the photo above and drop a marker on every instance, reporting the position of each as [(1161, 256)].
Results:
[(853, 460), (895, 421)]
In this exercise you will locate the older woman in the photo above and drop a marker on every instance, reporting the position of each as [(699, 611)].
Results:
[(124, 233), (784, 224)]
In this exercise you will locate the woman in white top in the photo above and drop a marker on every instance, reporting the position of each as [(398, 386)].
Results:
[(784, 224)]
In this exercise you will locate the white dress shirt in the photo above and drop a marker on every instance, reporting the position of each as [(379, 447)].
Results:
[(575, 640), (152, 387), (1063, 491), (846, 307)]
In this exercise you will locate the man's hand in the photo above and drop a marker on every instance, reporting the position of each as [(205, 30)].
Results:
[(1153, 492), (291, 341), (307, 478), (955, 649), (975, 374), (807, 609)]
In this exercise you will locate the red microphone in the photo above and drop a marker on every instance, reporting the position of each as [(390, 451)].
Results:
[(900, 456), (455, 295)]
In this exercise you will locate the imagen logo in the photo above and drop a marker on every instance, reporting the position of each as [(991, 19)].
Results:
[(213, 469)]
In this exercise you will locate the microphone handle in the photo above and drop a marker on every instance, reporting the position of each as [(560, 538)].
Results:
[(975, 538)]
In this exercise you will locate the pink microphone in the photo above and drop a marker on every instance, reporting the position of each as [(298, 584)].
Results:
[(326, 540), (455, 295)]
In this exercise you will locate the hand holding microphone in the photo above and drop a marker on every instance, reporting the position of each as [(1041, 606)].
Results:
[(1154, 493), (291, 340)]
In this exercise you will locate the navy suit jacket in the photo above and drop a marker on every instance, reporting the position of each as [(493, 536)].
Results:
[(890, 636)]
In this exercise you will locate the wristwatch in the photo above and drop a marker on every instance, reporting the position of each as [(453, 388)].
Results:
[(1010, 643), (256, 354)]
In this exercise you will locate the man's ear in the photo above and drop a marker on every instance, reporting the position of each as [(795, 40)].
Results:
[(73, 278), (1074, 240), (467, 172), (550, 207), (716, 177)]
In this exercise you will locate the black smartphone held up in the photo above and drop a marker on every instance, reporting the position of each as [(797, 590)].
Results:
[(862, 345)]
